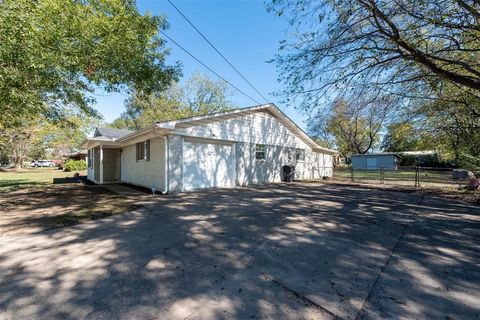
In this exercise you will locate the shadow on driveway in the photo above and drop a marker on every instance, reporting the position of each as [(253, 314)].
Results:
[(276, 251)]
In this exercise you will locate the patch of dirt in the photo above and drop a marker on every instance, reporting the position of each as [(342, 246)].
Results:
[(32, 210), (463, 195)]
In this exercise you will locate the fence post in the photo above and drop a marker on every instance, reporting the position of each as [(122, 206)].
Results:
[(417, 176), (382, 175), (352, 178)]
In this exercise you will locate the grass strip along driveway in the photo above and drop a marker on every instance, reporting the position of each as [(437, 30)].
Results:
[(38, 199)]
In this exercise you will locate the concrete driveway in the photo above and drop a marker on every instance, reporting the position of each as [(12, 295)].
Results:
[(296, 251)]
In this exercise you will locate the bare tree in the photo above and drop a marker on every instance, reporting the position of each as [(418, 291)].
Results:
[(406, 47)]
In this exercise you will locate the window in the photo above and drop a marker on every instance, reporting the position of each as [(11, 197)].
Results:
[(260, 152), (143, 151), (90, 158), (300, 154)]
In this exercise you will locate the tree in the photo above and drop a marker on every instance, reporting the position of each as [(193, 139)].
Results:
[(40, 138), (410, 48), (203, 95), (353, 125), (452, 126), (16, 144), (401, 136), (65, 137), (425, 52), (199, 95), (54, 53), (144, 110)]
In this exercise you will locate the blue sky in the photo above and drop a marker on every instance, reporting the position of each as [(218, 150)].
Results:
[(241, 29)]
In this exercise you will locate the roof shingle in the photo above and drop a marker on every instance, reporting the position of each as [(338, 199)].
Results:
[(111, 133)]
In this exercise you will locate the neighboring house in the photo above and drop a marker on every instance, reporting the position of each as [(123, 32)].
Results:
[(233, 148), (339, 160), (426, 158), (423, 153), (80, 155), (375, 161)]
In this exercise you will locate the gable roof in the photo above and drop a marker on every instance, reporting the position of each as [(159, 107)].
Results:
[(111, 133), (218, 116)]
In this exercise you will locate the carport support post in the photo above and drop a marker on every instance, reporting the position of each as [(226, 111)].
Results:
[(101, 164)]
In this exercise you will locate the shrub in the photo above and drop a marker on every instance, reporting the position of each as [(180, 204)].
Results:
[(469, 162), (75, 165)]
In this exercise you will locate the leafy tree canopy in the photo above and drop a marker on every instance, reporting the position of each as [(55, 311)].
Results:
[(400, 137), (199, 95), (40, 138), (453, 127), (354, 124), (53, 53)]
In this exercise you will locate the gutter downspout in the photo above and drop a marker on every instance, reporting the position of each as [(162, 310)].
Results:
[(167, 154)]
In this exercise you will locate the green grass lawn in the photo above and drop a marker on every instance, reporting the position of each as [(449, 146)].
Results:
[(15, 179)]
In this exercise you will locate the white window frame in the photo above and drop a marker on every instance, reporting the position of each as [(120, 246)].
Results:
[(260, 152), (299, 152), (142, 155)]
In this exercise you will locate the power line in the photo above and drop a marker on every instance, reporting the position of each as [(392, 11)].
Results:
[(210, 69), (215, 48)]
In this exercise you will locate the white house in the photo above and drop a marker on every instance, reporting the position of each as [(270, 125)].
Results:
[(233, 148)]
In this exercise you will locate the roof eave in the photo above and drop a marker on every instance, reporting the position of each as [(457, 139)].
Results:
[(299, 131), (150, 129), (322, 149)]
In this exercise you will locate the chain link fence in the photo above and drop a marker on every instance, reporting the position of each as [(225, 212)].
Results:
[(407, 176)]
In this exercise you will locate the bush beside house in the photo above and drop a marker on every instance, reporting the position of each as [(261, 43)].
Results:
[(75, 165)]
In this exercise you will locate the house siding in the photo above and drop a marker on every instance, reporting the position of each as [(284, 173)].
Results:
[(175, 162), (245, 132), (96, 164), (144, 173), (253, 171), (260, 127), (317, 165), (90, 170)]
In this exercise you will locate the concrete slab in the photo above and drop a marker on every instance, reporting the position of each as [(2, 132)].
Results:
[(434, 272), (296, 251)]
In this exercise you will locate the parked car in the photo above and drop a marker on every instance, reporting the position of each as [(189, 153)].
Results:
[(42, 163)]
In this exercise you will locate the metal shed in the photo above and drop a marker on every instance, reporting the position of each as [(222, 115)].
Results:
[(375, 161)]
